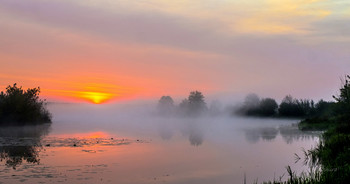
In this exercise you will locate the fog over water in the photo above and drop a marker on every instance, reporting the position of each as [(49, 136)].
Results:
[(134, 144)]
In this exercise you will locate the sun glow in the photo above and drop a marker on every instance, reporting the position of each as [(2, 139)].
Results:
[(95, 135), (96, 97), (96, 93)]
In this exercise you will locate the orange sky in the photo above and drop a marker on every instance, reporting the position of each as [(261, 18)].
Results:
[(105, 51)]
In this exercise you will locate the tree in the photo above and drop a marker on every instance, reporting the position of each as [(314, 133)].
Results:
[(165, 105), (196, 102), (268, 107), (290, 107), (193, 105), (343, 98), (184, 103), (22, 107), (250, 106), (252, 101)]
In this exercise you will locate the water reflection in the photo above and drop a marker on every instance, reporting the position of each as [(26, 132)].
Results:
[(292, 133), (265, 133), (165, 131), (191, 129), (194, 132), (18, 144), (195, 137), (288, 133)]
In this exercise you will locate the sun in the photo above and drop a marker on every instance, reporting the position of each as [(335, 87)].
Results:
[(96, 97)]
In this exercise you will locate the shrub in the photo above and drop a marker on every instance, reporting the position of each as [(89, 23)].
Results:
[(20, 107)]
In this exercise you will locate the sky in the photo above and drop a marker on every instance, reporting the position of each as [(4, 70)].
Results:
[(114, 50)]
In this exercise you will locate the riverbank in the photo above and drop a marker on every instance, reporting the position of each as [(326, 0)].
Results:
[(329, 161)]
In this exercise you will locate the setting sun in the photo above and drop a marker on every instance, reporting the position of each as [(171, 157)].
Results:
[(96, 97)]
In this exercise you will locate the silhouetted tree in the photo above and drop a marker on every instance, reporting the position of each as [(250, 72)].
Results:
[(193, 105), (165, 105), (253, 106), (343, 99), (344, 96), (290, 108), (184, 107), (268, 107), (196, 102), (323, 108), (250, 106), (18, 106), (252, 100)]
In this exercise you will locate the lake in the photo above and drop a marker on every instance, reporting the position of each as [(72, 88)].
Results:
[(129, 144)]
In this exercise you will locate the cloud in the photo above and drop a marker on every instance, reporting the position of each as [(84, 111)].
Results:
[(282, 17), (159, 45), (140, 27), (197, 25)]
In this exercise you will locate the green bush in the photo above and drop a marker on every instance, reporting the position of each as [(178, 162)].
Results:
[(22, 107)]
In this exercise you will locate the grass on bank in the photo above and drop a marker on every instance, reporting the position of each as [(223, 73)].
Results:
[(329, 162)]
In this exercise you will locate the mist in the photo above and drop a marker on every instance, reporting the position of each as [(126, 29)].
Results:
[(146, 121), (188, 141)]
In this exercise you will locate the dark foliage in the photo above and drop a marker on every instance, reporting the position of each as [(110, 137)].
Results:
[(268, 107), (166, 105), (289, 107), (343, 98), (194, 105), (196, 102), (332, 154), (253, 106), (20, 107)]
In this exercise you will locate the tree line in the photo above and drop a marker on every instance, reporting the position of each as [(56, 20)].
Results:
[(193, 105), (253, 105), (289, 107), (329, 161)]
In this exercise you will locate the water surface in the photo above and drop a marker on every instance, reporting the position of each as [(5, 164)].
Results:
[(129, 144)]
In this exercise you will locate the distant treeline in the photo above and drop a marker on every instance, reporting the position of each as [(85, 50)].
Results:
[(289, 107), (253, 105), (194, 105), (22, 107)]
